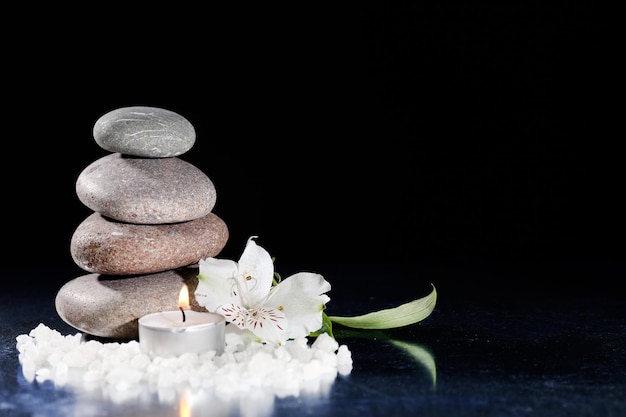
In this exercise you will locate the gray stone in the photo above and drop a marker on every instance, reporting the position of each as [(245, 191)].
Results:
[(146, 190), (106, 246), (149, 132), (109, 306)]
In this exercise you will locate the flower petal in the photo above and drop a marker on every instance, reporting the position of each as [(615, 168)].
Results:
[(301, 297), (269, 324), (215, 283), (256, 272), (234, 314)]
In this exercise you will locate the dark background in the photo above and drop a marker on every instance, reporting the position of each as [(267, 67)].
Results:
[(374, 133)]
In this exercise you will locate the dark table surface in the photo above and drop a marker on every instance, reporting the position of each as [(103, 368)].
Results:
[(505, 339)]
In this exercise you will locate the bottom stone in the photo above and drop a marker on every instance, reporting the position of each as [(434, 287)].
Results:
[(110, 306)]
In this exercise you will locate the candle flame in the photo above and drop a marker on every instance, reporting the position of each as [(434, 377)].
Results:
[(183, 298)]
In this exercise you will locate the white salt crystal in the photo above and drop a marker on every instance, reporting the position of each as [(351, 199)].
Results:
[(96, 365), (232, 338), (61, 373), (56, 357), (207, 369), (344, 356), (312, 369), (262, 369), (29, 355), (133, 347), (121, 393), (344, 360), (195, 380), (301, 341), (23, 340), (300, 351), (224, 358), (122, 352), (282, 354), (139, 361), (328, 359), (189, 358), (166, 395), (286, 387), (122, 378), (257, 403), (72, 340), (167, 362), (29, 370), (165, 378), (325, 343), (181, 375), (241, 355), (92, 376), (245, 366), (43, 374), (207, 356), (80, 357), (43, 332)]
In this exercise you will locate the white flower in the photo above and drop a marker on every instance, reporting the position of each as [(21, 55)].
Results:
[(245, 294)]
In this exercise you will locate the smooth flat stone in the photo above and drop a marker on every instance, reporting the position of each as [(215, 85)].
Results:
[(149, 132), (146, 190), (109, 306), (106, 246)]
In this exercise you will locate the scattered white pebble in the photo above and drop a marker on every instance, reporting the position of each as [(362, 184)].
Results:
[(244, 367)]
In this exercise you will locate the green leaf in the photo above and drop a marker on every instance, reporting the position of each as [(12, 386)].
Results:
[(403, 315)]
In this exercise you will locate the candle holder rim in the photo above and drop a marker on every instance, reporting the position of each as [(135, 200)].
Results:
[(221, 321)]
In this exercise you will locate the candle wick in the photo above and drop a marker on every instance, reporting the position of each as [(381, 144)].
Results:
[(182, 311)]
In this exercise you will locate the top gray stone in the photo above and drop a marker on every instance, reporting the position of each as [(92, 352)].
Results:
[(148, 132)]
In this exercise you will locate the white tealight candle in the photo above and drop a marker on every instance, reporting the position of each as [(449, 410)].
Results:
[(172, 333)]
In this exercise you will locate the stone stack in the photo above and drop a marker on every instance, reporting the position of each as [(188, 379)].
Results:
[(151, 224)]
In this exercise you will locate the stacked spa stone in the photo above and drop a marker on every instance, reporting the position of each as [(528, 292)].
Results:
[(152, 222)]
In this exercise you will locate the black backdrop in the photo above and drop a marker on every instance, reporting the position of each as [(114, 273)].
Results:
[(369, 134)]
